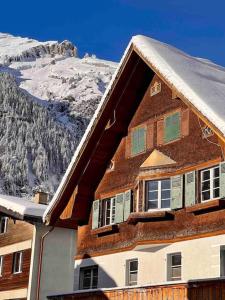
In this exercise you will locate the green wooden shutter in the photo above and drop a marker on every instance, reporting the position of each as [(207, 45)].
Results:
[(141, 139), (95, 214), (172, 127), (176, 191), (190, 188), (119, 208), (222, 179), (138, 140), (127, 204), (134, 142)]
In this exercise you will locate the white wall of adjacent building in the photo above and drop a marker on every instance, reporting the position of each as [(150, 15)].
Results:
[(200, 260), (57, 261)]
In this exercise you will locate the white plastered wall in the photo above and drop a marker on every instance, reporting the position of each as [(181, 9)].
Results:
[(200, 260), (57, 261)]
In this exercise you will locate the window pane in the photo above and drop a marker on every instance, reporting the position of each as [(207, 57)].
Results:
[(176, 273), (133, 278), (205, 195), (165, 194), (95, 283), (206, 185), (216, 172), (133, 265), (165, 184), (153, 195), (165, 203), (176, 260), (152, 204), (216, 193), (216, 182), (153, 185), (206, 175)]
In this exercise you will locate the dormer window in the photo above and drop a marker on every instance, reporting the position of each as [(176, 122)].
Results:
[(158, 194)]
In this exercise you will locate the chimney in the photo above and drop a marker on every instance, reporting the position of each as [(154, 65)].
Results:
[(41, 198)]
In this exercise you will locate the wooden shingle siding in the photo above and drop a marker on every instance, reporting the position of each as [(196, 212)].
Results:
[(18, 231)]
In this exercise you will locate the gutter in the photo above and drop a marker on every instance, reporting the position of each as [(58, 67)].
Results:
[(40, 263)]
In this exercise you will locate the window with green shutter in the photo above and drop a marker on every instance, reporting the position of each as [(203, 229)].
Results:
[(172, 127), (138, 140)]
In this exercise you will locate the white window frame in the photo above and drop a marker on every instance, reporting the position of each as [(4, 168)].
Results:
[(20, 253), (170, 267), (129, 272), (5, 220), (159, 201), (112, 209), (211, 190), (1, 265), (81, 280)]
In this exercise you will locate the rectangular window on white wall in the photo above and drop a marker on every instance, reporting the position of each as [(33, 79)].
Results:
[(132, 272), (17, 262), (1, 264), (174, 266), (210, 183), (89, 277), (3, 224)]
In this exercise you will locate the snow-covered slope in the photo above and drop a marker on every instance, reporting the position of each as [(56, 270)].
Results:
[(47, 98)]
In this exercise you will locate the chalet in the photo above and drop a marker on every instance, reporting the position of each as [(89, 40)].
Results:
[(27, 259), (145, 190)]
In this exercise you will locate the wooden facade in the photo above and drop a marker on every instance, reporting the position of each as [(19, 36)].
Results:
[(17, 233), (204, 290), (190, 152)]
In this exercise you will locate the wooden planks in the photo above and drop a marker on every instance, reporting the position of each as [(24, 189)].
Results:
[(202, 290)]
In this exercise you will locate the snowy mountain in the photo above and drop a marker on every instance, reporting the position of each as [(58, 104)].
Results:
[(47, 97)]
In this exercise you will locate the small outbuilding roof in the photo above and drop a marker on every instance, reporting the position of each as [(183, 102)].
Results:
[(199, 81), (21, 208)]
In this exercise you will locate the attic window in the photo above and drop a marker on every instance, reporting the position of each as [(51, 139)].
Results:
[(206, 132), (155, 88)]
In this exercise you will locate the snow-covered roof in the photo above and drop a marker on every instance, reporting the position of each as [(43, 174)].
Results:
[(21, 207), (200, 81)]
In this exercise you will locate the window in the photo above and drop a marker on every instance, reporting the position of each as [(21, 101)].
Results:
[(132, 271), (3, 224), (174, 266), (1, 264), (17, 262), (138, 140), (222, 261), (89, 277), (210, 183), (172, 127), (158, 194), (108, 211)]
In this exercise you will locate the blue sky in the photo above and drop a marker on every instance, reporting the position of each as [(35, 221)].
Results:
[(104, 27)]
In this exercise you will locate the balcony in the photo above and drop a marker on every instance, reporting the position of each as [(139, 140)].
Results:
[(212, 289)]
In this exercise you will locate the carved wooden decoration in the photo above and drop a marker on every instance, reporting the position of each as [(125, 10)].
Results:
[(155, 88)]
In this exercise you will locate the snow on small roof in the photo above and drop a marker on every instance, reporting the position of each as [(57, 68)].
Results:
[(199, 80), (21, 206)]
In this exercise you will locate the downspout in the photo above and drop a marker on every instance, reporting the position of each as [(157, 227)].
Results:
[(40, 262)]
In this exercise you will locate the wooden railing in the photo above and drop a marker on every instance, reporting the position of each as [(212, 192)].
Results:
[(198, 290)]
